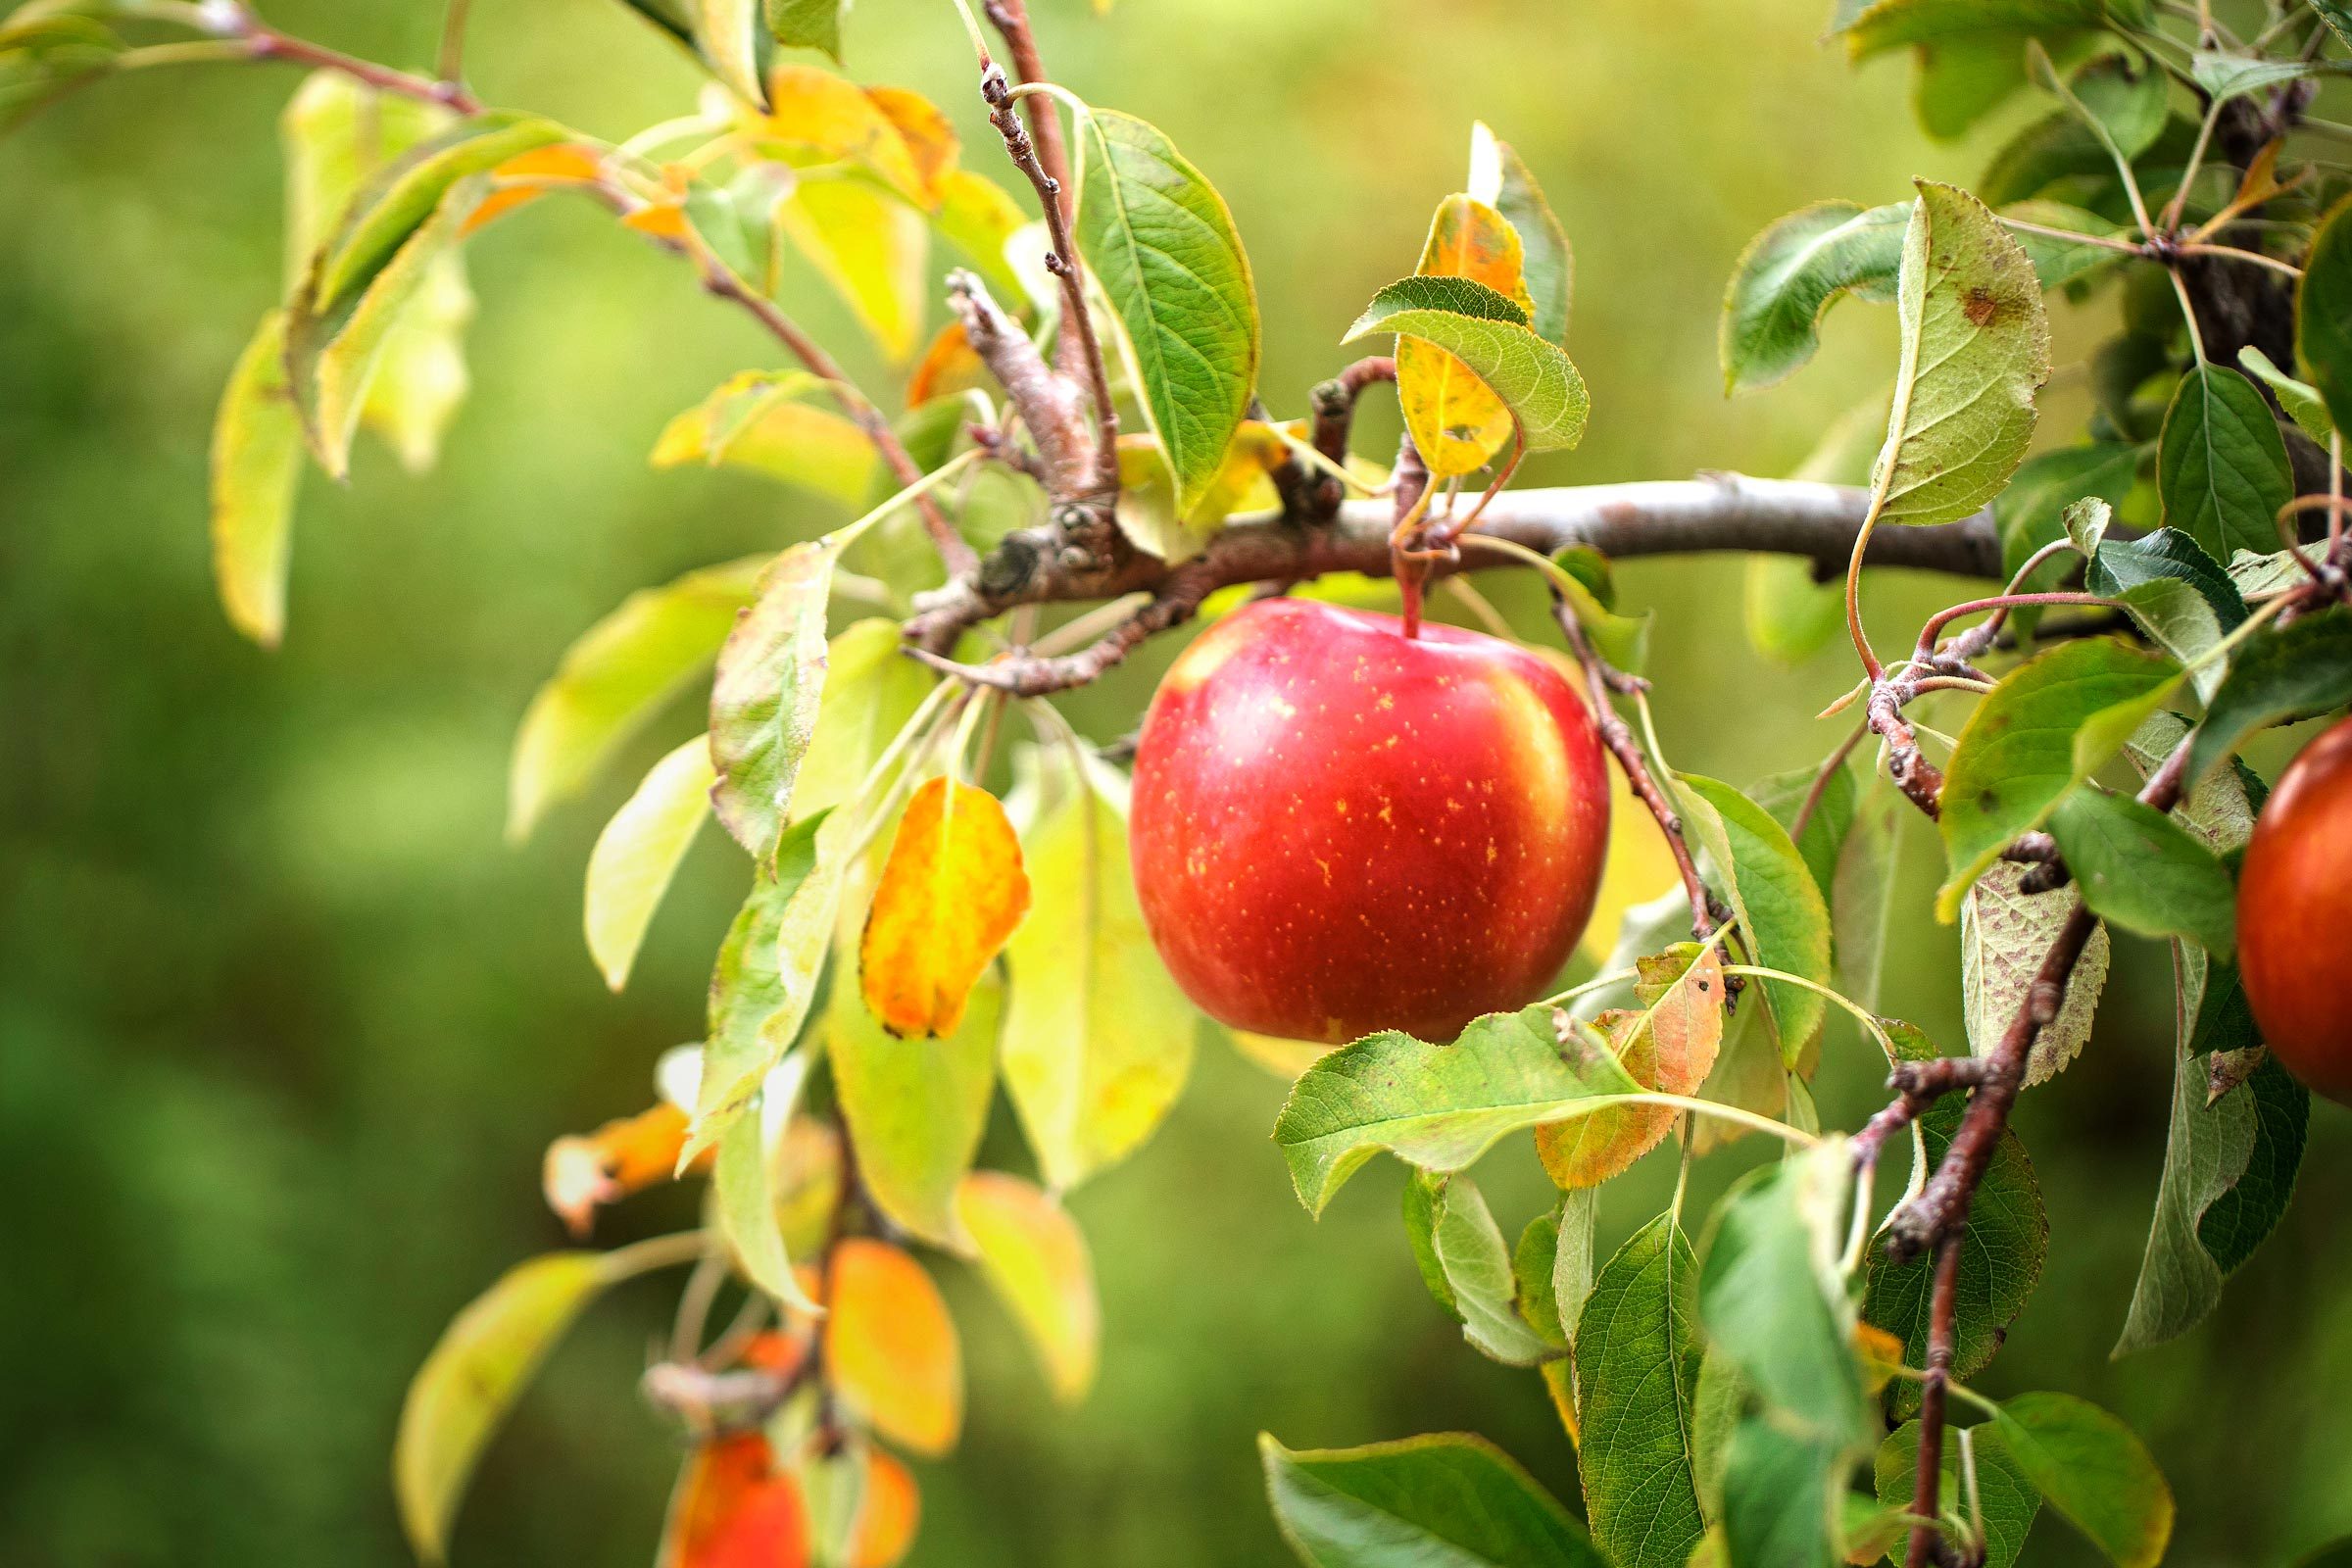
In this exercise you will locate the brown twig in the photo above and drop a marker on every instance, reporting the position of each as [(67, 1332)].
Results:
[(1927, 1481), (266, 42), (1052, 408), (1332, 404), (1010, 18)]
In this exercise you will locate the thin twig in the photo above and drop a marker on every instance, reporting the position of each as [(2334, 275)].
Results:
[(451, 60)]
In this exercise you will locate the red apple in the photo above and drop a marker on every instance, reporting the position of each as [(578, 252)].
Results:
[(1339, 829), (2294, 916)]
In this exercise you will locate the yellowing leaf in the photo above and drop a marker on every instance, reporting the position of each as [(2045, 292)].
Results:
[(1098, 1039), (1146, 507), (758, 420), (583, 1172), (766, 692), (420, 376), (732, 37), (823, 118), (977, 217), (639, 852), (1640, 867), (891, 1349), (1034, 1257), (1668, 1045), (950, 894), (734, 1509), (915, 1107), (660, 220), (870, 248), (890, 1510), (932, 145), (948, 367), (257, 463), (522, 180), (872, 691), (744, 1194), (1458, 422)]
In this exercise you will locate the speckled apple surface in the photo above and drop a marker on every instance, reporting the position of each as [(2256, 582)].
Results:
[(1338, 829), (2294, 910)]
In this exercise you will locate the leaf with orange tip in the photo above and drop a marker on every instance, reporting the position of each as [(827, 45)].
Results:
[(523, 179), (734, 1509), (889, 1513), (1668, 1044), (823, 118), (1034, 1257), (662, 221), (949, 365), (583, 1172), (1457, 421), (950, 894), (891, 1350), (932, 145)]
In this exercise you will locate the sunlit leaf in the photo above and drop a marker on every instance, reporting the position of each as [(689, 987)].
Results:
[(730, 35), (1455, 422), (915, 1109), (45, 55), (950, 894), (1499, 179), (256, 468), (582, 1172), (639, 852), (870, 248), (976, 216), (2004, 935), (890, 1347), (1098, 1039), (890, 1510), (1488, 333), (809, 24), (766, 692), (1159, 240), (743, 1195), (2221, 469), (949, 365), (2300, 399), (619, 673), (1146, 507), (815, 116), (1875, 26), (1637, 1367), (2092, 1469), (873, 692), (763, 421), (1668, 1043), (1035, 1258), (1449, 1499)]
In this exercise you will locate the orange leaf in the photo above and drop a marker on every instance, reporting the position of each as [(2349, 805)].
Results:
[(948, 366), (836, 119), (950, 896), (733, 1508), (891, 1350), (664, 221), (773, 1351), (1456, 421), (1669, 1046), (887, 1515), (568, 163), (930, 137), (625, 1155)]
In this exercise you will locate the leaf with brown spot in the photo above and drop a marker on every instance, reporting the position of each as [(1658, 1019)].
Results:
[(950, 894), (891, 1350), (1456, 420), (1668, 1046)]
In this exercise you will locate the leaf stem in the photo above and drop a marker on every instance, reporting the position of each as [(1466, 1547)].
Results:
[(1864, 1015)]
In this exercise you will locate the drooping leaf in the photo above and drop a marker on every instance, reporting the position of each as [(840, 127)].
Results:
[(1160, 240), (1034, 1257), (891, 1347), (915, 1109), (2275, 677), (1976, 347), (1453, 1228), (873, 692), (2001, 1252), (2324, 312), (616, 677), (952, 891), (1449, 1499), (2228, 1165), (1503, 181), (743, 1197), (1636, 1369), (1782, 1497), (734, 1505), (2142, 871), (1146, 506), (2043, 730), (1489, 333), (1773, 892), (1098, 1039), (2300, 399), (2091, 1467), (2008, 1499), (730, 35), (2004, 935), (256, 466), (639, 852), (2221, 469), (1667, 1042), (1456, 422), (872, 249), (1436, 1106), (766, 692)]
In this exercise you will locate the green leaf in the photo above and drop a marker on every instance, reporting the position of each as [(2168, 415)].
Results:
[(2229, 1165), (2004, 935), (2226, 74), (730, 35), (2300, 399), (2001, 1254), (1436, 1106), (1448, 1499), (1160, 240), (1975, 345), (638, 853), (1098, 1039), (1783, 795), (915, 1109), (1637, 1367), (1782, 1495), (743, 1193), (2338, 13), (1454, 1234), (45, 53), (2030, 513), (1537, 1271), (872, 692), (1772, 1296), (766, 693), (2092, 1469), (2217, 810), (1862, 893), (2276, 677), (612, 681), (1774, 895), (1717, 1406), (2141, 870), (1884, 25), (1499, 179), (256, 466), (2221, 469), (2008, 1499), (474, 1374), (809, 24), (2124, 102), (2046, 727), (1572, 1262), (2118, 565), (1791, 616), (2323, 316), (1489, 334)]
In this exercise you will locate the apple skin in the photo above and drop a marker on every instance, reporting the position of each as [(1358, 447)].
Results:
[(2294, 916), (1338, 829)]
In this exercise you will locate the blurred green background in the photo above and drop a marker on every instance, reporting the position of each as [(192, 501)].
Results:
[(285, 1026)]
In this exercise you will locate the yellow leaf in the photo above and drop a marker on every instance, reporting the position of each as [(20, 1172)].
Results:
[(948, 367), (757, 420), (734, 1509), (256, 462), (978, 218), (662, 221), (932, 145), (870, 248), (420, 377), (950, 894), (525, 178), (1146, 507), (1034, 1257), (1668, 1045), (823, 118), (1456, 421), (639, 852), (1284, 1059), (891, 1349), (890, 1510), (1640, 867)]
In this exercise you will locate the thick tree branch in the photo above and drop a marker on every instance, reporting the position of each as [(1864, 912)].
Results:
[(1052, 408)]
